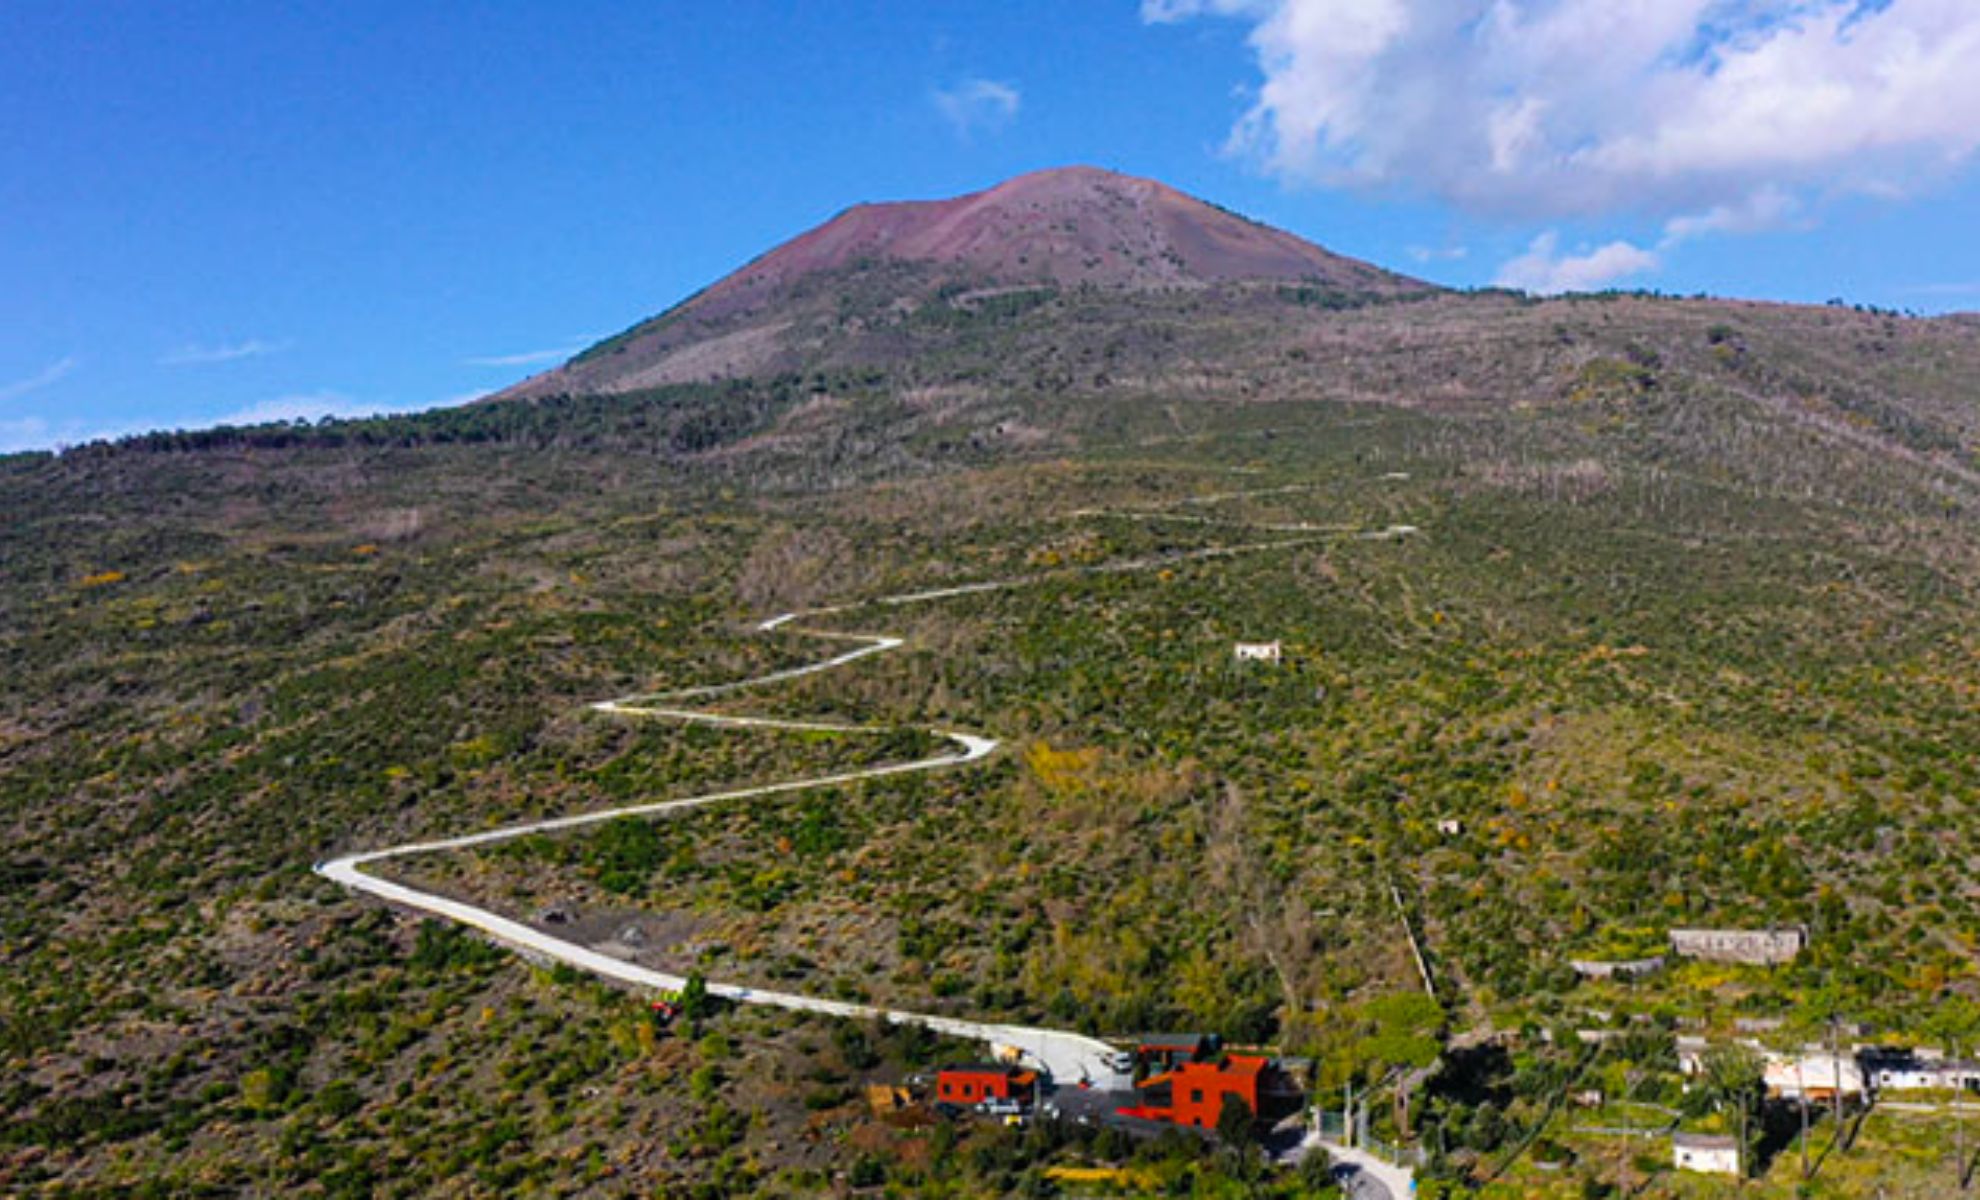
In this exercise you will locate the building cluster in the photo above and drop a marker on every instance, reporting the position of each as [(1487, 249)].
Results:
[(1818, 1075), (1854, 1073), (1188, 1080)]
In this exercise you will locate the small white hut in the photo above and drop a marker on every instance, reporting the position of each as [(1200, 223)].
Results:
[(1264, 652), (1705, 1153)]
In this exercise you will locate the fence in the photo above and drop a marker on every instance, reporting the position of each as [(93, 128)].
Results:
[(1333, 1125)]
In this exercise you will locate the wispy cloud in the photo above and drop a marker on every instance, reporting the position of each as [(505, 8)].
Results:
[(312, 406), (974, 105), (328, 402), (527, 358), (1545, 270), (23, 433), (1430, 254), (195, 355), (51, 373), (41, 432), (1970, 288), (295, 406)]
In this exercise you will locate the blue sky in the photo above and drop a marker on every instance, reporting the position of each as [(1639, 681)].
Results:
[(239, 210)]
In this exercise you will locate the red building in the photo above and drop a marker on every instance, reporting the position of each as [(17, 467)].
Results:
[(1192, 1093), (987, 1081)]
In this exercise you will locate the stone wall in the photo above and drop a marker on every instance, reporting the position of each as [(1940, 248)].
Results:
[(1760, 946), (1595, 968)]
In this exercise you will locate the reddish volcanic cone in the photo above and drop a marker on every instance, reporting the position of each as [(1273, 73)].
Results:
[(1068, 225), (1062, 227)]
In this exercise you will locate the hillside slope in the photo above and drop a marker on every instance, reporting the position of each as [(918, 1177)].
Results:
[(1690, 635)]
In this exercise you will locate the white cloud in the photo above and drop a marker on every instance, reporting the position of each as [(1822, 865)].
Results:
[(1431, 254), (1686, 110), (313, 406), (41, 433), (1768, 208), (49, 374), (297, 406), (527, 358), (23, 433), (326, 402), (1544, 270), (194, 354), (978, 104)]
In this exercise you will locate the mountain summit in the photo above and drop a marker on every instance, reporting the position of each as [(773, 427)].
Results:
[(1065, 227), (1069, 225)]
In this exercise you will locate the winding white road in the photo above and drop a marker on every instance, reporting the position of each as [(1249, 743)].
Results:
[(1066, 1055)]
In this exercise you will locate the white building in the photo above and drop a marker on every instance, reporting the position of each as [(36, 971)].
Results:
[(1816, 1074), (1265, 652), (1894, 1070), (1706, 1153)]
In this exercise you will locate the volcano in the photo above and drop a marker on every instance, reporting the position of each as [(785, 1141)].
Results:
[(1063, 228)]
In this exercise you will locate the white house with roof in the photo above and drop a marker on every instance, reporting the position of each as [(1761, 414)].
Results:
[(1816, 1074), (1812, 1072), (1710, 1154)]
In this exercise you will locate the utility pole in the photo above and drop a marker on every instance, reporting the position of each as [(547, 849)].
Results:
[(1744, 1103), (1804, 1119), (1964, 1175), (1959, 1140), (1835, 1061)]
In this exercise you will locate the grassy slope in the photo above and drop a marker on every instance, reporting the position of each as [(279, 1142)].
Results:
[(1690, 637)]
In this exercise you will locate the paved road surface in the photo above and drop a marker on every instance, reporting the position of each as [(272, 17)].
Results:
[(1363, 1175), (1069, 1057)]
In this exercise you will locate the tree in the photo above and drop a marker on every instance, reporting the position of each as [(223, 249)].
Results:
[(1316, 1170), (1733, 1081), (694, 1003), (1236, 1123)]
